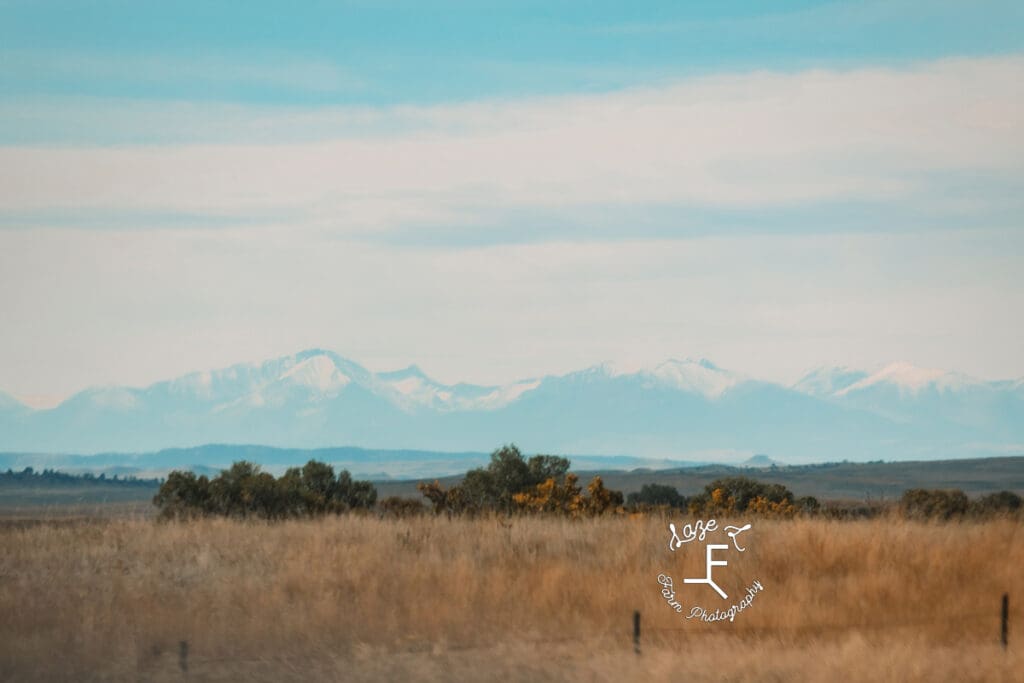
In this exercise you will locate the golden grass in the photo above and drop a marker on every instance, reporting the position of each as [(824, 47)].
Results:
[(360, 598)]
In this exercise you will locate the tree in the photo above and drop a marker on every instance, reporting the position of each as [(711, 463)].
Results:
[(544, 467), (656, 495), (245, 490), (183, 495)]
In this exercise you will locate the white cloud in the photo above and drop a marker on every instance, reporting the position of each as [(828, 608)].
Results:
[(758, 139)]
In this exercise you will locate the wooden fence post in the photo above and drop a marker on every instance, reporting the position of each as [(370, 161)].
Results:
[(636, 631), (1005, 619), (183, 656)]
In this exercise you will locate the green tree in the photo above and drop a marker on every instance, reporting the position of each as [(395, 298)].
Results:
[(183, 495), (657, 495), (245, 490)]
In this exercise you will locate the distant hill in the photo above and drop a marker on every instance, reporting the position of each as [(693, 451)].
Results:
[(760, 462), (367, 463), (832, 481)]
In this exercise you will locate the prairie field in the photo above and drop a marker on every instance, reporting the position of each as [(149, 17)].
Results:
[(360, 598)]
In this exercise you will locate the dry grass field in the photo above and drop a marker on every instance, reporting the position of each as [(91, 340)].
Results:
[(361, 598)]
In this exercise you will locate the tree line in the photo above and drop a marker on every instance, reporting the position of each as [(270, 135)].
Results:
[(741, 495), (511, 484), (245, 490), (48, 477)]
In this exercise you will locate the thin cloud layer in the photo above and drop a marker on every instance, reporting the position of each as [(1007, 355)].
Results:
[(735, 141)]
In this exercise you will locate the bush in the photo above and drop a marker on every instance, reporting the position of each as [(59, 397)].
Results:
[(1000, 503), (808, 505), (397, 506), (568, 498), (737, 495), (934, 504)]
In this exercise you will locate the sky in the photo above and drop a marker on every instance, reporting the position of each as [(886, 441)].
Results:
[(496, 191)]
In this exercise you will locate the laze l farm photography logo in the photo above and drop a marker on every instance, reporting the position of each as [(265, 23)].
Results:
[(716, 561)]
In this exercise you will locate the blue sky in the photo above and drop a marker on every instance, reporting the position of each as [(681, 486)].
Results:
[(382, 53), (494, 190)]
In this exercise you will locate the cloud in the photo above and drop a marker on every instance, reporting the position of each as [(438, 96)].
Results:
[(743, 141)]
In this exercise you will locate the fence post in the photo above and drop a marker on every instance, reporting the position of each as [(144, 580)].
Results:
[(636, 631), (1005, 619), (183, 656)]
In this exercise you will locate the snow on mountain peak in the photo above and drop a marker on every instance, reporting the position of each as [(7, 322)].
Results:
[(503, 395), (695, 375), (416, 388), (317, 372), (908, 378)]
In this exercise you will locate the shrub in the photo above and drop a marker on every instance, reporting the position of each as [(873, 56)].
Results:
[(732, 495), (568, 498), (999, 503), (934, 504), (397, 506)]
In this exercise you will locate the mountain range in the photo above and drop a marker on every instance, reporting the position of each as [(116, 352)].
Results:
[(687, 409)]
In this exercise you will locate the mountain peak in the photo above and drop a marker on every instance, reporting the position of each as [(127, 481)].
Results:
[(316, 371), (699, 376)]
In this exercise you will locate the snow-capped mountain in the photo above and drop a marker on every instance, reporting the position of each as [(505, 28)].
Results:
[(930, 399), (910, 379), (901, 377), (685, 409), (417, 389)]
